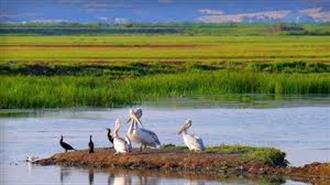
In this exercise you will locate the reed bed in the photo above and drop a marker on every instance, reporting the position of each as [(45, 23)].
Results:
[(105, 91)]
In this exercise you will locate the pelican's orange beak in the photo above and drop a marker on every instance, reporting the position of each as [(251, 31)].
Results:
[(181, 130), (134, 118)]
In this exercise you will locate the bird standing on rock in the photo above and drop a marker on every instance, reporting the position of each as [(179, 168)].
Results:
[(65, 145), (193, 142), (91, 145), (138, 134), (120, 144)]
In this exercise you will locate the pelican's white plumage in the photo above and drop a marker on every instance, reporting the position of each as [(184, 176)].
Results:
[(120, 144), (128, 144), (193, 142), (140, 135)]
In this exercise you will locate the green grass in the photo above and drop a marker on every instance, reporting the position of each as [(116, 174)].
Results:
[(172, 147), (260, 155), (104, 91)]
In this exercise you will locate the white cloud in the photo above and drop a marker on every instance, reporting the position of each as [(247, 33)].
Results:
[(116, 20), (105, 19), (100, 6), (317, 14), (210, 17), (210, 12), (119, 20), (49, 20)]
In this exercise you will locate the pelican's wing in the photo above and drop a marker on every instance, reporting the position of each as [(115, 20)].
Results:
[(149, 136), (121, 140), (195, 141), (120, 143), (138, 113), (200, 142)]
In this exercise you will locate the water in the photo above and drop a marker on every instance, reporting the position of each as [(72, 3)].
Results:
[(302, 131)]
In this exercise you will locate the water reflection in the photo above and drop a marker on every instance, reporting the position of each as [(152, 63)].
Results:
[(122, 179), (147, 177), (195, 182), (145, 180), (91, 176), (110, 179), (64, 174), (72, 175)]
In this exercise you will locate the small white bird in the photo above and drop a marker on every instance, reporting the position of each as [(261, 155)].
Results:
[(31, 159), (193, 142), (140, 135), (120, 144)]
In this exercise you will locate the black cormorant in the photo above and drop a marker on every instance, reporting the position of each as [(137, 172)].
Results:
[(91, 145), (110, 136), (65, 145)]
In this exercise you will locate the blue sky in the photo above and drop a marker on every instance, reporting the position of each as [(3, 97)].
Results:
[(163, 10)]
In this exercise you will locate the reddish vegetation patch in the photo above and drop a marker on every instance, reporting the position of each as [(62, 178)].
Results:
[(317, 173)]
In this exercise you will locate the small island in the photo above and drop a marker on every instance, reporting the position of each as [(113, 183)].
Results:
[(220, 161)]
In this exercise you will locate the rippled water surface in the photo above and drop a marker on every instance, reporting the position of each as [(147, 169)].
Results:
[(301, 128)]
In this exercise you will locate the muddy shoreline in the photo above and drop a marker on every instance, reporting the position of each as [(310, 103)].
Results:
[(174, 162)]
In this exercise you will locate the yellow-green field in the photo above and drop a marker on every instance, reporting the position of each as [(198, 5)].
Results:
[(109, 49)]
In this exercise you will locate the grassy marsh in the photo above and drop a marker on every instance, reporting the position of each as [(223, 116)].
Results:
[(104, 91)]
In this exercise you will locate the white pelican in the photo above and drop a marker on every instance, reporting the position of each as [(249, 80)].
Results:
[(120, 144), (193, 142), (140, 135)]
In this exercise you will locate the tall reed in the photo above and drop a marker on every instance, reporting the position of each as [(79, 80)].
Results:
[(104, 91)]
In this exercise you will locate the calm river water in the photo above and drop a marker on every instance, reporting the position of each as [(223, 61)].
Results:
[(300, 127)]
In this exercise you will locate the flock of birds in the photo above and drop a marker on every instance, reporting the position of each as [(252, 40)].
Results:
[(144, 137)]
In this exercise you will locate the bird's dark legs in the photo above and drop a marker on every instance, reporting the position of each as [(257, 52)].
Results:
[(143, 147)]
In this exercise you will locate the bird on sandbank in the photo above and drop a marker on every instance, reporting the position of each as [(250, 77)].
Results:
[(65, 145)]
